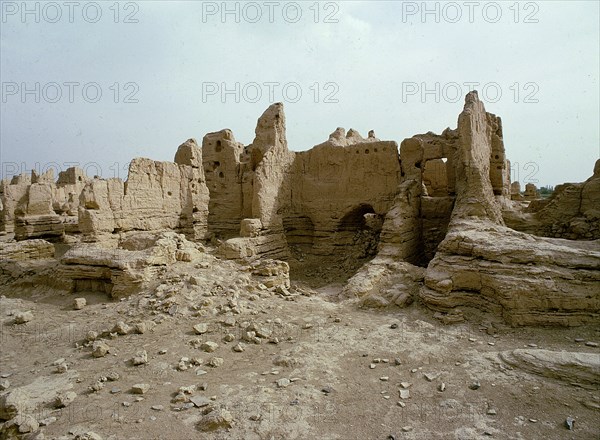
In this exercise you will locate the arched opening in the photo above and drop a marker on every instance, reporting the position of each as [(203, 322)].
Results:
[(358, 233)]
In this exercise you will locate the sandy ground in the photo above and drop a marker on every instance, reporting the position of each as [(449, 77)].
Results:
[(346, 367)]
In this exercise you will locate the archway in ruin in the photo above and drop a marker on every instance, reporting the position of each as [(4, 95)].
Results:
[(332, 253), (357, 234)]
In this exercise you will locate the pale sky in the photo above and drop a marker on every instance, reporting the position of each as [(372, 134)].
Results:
[(387, 66)]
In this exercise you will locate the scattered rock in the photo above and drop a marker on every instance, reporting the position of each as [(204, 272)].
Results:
[(121, 328), (570, 423), (112, 376), (200, 401), (140, 388), (187, 389), (217, 419), (143, 327), (182, 365), (79, 303), (215, 362), (140, 358), (209, 346), (475, 385), (90, 435), (200, 329), (431, 376), (327, 389), (65, 399), (26, 423), (23, 317), (230, 321), (96, 386), (283, 383), (285, 361), (100, 349), (263, 333)]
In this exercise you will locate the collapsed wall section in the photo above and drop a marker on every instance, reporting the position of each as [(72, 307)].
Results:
[(341, 192), (35, 206), (157, 196), (485, 265), (262, 179), (223, 160), (572, 212), (428, 160)]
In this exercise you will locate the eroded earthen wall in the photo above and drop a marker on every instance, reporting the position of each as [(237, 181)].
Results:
[(341, 192), (157, 196)]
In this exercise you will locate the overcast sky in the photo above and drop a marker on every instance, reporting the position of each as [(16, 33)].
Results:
[(168, 71)]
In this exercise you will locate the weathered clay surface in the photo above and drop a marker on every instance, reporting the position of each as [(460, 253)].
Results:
[(157, 196), (38, 207), (222, 158), (525, 279), (32, 397), (572, 212), (26, 250), (483, 264), (123, 271), (437, 220), (569, 367), (340, 192)]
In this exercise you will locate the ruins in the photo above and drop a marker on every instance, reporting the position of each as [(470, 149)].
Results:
[(438, 216), (435, 221)]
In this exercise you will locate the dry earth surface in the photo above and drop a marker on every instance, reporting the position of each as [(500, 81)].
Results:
[(313, 368)]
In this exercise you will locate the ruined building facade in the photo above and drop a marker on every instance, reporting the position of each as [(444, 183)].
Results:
[(436, 220)]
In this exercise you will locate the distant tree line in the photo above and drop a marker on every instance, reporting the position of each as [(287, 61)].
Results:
[(546, 191)]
